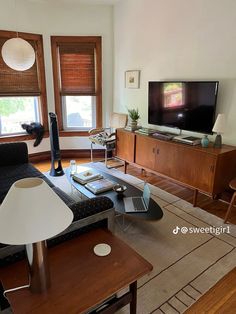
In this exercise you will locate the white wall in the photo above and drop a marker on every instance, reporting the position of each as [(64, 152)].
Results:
[(52, 18), (176, 39)]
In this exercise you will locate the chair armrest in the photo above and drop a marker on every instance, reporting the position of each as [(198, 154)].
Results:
[(85, 208), (112, 134), (13, 154), (95, 131), (90, 207)]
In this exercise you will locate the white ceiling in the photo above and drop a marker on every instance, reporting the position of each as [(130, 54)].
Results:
[(107, 2)]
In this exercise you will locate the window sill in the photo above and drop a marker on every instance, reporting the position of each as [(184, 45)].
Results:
[(73, 133), (20, 137)]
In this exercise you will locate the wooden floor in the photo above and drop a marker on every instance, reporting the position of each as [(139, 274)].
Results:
[(222, 297)]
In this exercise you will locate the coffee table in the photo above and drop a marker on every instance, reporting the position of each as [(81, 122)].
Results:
[(80, 280), (154, 212)]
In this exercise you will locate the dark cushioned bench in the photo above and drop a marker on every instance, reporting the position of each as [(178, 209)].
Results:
[(14, 165)]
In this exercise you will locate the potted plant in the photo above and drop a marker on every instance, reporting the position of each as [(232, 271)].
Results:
[(134, 116)]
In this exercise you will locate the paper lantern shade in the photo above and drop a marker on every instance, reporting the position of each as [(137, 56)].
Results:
[(18, 54)]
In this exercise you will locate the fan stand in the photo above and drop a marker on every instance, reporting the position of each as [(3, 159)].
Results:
[(56, 171)]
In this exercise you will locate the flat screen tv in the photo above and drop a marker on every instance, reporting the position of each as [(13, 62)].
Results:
[(186, 105)]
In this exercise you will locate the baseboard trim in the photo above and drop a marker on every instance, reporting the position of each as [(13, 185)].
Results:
[(82, 153), (67, 153), (36, 157)]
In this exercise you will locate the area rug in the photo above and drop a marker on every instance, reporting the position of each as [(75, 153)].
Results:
[(186, 261)]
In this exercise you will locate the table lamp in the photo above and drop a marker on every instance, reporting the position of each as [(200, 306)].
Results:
[(219, 128), (31, 213)]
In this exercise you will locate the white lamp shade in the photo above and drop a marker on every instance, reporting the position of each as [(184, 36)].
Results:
[(18, 54), (32, 212), (219, 126)]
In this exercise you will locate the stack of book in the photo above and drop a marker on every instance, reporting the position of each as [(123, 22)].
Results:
[(100, 186), (163, 136), (132, 128), (145, 131), (93, 181), (87, 176)]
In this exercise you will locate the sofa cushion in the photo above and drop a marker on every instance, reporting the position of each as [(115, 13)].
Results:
[(13, 154)]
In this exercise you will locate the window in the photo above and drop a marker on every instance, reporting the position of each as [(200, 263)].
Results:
[(22, 93), (79, 112), (77, 82), (17, 110)]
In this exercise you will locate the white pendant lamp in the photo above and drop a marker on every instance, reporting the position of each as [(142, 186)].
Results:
[(18, 54)]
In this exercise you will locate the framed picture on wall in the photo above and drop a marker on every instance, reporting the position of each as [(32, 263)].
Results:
[(132, 79)]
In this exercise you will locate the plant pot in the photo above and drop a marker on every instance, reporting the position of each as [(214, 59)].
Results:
[(133, 123)]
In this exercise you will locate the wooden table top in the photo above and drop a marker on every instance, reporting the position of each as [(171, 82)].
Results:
[(154, 211), (80, 280)]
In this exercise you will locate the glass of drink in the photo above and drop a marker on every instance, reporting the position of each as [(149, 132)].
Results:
[(73, 167)]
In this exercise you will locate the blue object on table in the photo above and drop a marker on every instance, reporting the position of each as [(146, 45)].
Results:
[(205, 141)]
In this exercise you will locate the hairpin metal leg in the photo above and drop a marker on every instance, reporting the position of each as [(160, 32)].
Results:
[(91, 152), (106, 157)]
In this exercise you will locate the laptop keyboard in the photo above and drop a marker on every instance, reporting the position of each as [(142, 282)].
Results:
[(138, 204)]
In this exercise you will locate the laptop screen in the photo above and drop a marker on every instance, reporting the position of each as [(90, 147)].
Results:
[(146, 195)]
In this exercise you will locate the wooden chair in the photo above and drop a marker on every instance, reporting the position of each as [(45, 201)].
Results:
[(232, 184), (106, 137)]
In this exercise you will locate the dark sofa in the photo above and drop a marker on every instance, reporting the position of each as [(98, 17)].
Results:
[(14, 165)]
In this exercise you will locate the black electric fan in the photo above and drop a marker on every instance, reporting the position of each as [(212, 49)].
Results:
[(56, 167)]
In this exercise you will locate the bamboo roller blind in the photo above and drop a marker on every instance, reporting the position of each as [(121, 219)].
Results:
[(77, 68), (18, 83)]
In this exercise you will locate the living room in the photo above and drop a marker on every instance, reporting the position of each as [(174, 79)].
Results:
[(160, 41)]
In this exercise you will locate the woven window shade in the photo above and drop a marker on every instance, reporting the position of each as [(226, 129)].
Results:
[(77, 68), (18, 83)]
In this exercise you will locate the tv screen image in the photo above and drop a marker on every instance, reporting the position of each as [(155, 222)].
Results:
[(186, 105)]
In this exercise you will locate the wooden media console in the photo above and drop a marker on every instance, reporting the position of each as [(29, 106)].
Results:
[(208, 170)]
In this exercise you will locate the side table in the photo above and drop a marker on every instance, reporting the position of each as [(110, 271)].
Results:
[(80, 280)]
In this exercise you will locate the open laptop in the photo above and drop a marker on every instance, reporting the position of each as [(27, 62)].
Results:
[(138, 204)]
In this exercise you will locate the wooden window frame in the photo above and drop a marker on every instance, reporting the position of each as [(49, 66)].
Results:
[(42, 83), (55, 42)]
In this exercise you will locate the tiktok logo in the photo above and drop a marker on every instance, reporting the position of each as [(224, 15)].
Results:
[(176, 230)]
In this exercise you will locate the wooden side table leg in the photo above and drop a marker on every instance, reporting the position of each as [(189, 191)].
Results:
[(143, 172), (195, 194), (216, 196), (230, 207), (125, 167), (133, 303)]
